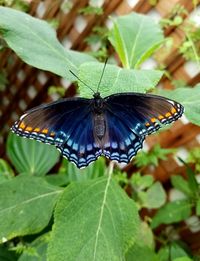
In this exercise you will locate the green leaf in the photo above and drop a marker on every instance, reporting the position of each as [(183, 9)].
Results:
[(174, 251), (198, 207), (189, 98), (194, 158), (31, 157), (26, 206), (141, 182), (94, 220), (192, 182), (142, 253), (172, 212), (68, 172), (181, 184), (36, 251), (6, 255), (152, 157), (163, 253), (35, 43), (144, 247), (152, 198), (94, 170), (6, 172), (185, 258), (135, 37), (177, 250), (146, 236), (58, 179), (116, 79)]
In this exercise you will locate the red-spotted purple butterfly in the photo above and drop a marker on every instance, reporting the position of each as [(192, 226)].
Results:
[(84, 129)]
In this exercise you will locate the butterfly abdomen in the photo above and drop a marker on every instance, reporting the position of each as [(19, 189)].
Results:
[(99, 126)]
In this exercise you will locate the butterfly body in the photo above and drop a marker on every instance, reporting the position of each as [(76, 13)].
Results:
[(84, 129)]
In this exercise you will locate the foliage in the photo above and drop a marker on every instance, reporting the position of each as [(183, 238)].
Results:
[(21, 5), (58, 90), (26, 156), (98, 37), (146, 191), (91, 10), (175, 17), (85, 214), (189, 98), (134, 44), (194, 157), (152, 157), (109, 214), (179, 210), (116, 79), (6, 171), (190, 48), (35, 42)]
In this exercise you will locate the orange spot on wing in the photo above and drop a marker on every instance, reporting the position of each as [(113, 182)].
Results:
[(168, 114), (147, 124), (22, 125), (153, 119), (37, 129), (28, 128), (52, 134), (45, 131), (160, 117), (173, 110)]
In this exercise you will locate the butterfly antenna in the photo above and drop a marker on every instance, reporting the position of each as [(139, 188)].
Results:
[(81, 81), (102, 74)]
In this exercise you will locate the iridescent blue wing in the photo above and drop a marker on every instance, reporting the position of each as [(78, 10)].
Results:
[(122, 142), (67, 124), (131, 117)]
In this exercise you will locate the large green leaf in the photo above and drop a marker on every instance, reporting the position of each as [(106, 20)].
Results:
[(189, 98), (135, 37), (30, 156), (26, 206), (94, 220), (116, 79), (172, 212), (35, 43)]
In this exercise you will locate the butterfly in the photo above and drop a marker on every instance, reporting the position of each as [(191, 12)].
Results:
[(83, 129)]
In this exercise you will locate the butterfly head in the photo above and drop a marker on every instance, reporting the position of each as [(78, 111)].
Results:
[(97, 95)]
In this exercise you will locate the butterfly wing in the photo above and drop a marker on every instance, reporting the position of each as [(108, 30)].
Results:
[(132, 116), (122, 143), (67, 124)]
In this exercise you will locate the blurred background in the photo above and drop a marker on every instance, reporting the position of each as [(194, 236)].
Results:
[(83, 26)]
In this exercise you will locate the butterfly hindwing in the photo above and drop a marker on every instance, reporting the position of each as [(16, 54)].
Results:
[(122, 142)]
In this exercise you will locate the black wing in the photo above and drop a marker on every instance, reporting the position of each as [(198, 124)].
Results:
[(67, 124), (132, 116)]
